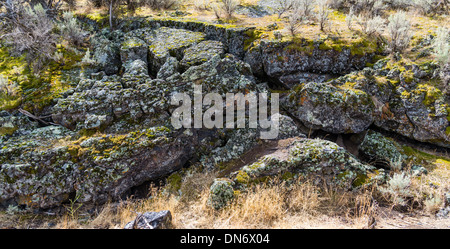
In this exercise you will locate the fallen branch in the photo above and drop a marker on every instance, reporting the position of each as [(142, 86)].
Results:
[(39, 119)]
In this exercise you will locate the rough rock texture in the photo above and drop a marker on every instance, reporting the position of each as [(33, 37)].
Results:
[(115, 132), (151, 220), (240, 141), (232, 37), (165, 42), (323, 161), (40, 174), (332, 109), (279, 58), (113, 135), (403, 104), (380, 149), (107, 51), (133, 48), (201, 53), (95, 104)]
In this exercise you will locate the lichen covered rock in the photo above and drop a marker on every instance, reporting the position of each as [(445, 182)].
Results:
[(107, 51), (201, 53), (406, 98), (39, 173), (133, 48), (322, 160), (221, 193), (279, 58), (165, 42), (381, 150), (330, 108)]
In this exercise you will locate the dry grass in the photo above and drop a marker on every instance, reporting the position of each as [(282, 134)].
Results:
[(267, 205), (275, 205)]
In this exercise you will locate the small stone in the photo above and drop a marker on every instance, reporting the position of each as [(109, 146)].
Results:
[(151, 220)]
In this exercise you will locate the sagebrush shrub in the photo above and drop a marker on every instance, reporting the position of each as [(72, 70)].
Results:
[(71, 30), (398, 4), (225, 7), (29, 30), (283, 6), (350, 18), (302, 12), (431, 7), (399, 29), (398, 188), (369, 7), (371, 26), (441, 45), (161, 4), (202, 4)]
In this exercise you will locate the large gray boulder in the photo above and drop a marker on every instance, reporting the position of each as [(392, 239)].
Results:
[(44, 168), (201, 52), (330, 108), (323, 162)]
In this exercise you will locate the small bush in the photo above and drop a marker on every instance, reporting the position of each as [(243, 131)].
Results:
[(433, 204), (398, 4), (302, 12), (369, 8), (202, 4), (338, 4), (225, 7), (322, 13), (399, 29), (283, 6), (431, 7), (71, 30), (161, 4), (6, 87), (398, 189), (441, 45), (29, 30), (9, 93), (305, 8), (350, 18)]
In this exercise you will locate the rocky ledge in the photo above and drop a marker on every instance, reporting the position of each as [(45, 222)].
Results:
[(111, 131)]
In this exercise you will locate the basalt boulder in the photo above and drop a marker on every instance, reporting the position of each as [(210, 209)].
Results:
[(330, 108)]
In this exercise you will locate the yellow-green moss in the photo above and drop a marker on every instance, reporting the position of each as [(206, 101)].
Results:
[(174, 182), (431, 93), (301, 45), (363, 46), (360, 180), (253, 35), (426, 159), (408, 76), (7, 130), (37, 91), (242, 177), (406, 95)]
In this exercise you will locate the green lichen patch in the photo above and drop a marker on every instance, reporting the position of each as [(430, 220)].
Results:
[(221, 193)]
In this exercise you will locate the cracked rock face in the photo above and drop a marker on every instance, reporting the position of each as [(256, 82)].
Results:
[(322, 161), (329, 108), (43, 167), (115, 131), (276, 59), (42, 174)]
